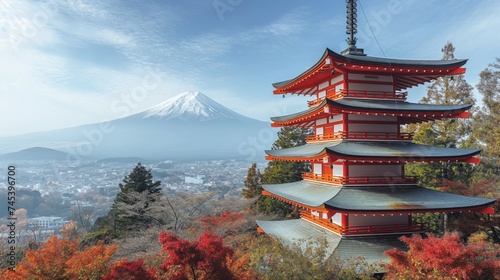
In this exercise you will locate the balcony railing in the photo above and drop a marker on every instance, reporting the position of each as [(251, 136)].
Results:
[(360, 136), (360, 180), (322, 222), (354, 230), (360, 94)]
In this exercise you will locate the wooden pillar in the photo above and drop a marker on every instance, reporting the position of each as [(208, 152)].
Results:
[(345, 170), (345, 220), (345, 122), (445, 222)]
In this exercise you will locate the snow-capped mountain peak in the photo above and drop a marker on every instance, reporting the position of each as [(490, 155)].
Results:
[(191, 105)]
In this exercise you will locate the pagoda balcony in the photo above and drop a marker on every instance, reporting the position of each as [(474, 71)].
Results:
[(363, 230), (359, 136), (328, 178), (400, 96)]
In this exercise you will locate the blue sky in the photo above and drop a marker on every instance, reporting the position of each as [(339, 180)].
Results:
[(72, 62)]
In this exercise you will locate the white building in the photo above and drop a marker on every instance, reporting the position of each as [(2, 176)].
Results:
[(46, 222), (192, 180)]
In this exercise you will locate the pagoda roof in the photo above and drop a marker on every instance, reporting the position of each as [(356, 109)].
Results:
[(388, 198), (300, 232), (291, 232), (402, 198), (398, 62), (407, 72), (310, 193), (425, 112), (370, 150)]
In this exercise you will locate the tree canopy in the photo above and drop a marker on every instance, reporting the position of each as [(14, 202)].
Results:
[(487, 123), (450, 133)]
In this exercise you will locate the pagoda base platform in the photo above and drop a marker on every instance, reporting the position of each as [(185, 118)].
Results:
[(299, 232)]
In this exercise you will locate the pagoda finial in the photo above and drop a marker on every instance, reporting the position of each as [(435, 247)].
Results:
[(351, 29)]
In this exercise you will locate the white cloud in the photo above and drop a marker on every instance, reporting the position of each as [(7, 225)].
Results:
[(285, 26), (45, 85)]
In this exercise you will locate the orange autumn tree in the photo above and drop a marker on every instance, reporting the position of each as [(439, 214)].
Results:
[(49, 262), (444, 258), (61, 258), (92, 263)]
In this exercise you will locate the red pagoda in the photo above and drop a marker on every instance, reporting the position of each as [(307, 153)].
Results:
[(357, 195)]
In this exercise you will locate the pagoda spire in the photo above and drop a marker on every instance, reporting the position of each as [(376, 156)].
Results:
[(351, 29)]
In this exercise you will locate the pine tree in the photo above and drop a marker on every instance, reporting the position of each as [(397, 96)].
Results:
[(450, 133), (139, 180), (279, 172), (253, 183), (486, 133), (137, 194)]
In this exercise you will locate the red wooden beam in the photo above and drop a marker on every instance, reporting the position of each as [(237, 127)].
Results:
[(480, 209), (474, 160), (487, 210), (462, 115), (457, 71)]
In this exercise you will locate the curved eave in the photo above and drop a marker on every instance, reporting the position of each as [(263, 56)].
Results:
[(309, 194), (372, 151), (403, 199), (417, 71), (396, 106), (410, 112), (307, 152), (299, 118), (403, 151)]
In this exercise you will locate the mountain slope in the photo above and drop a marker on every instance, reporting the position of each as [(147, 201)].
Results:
[(35, 153), (188, 126)]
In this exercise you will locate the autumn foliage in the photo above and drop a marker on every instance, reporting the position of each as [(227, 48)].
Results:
[(91, 263), (205, 258), (130, 270), (226, 223), (444, 258), (62, 259)]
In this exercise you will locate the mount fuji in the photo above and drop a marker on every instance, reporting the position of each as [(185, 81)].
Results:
[(191, 106), (189, 126)]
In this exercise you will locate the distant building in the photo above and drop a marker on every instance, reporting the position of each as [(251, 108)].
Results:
[(46, 222), (191, 180)]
